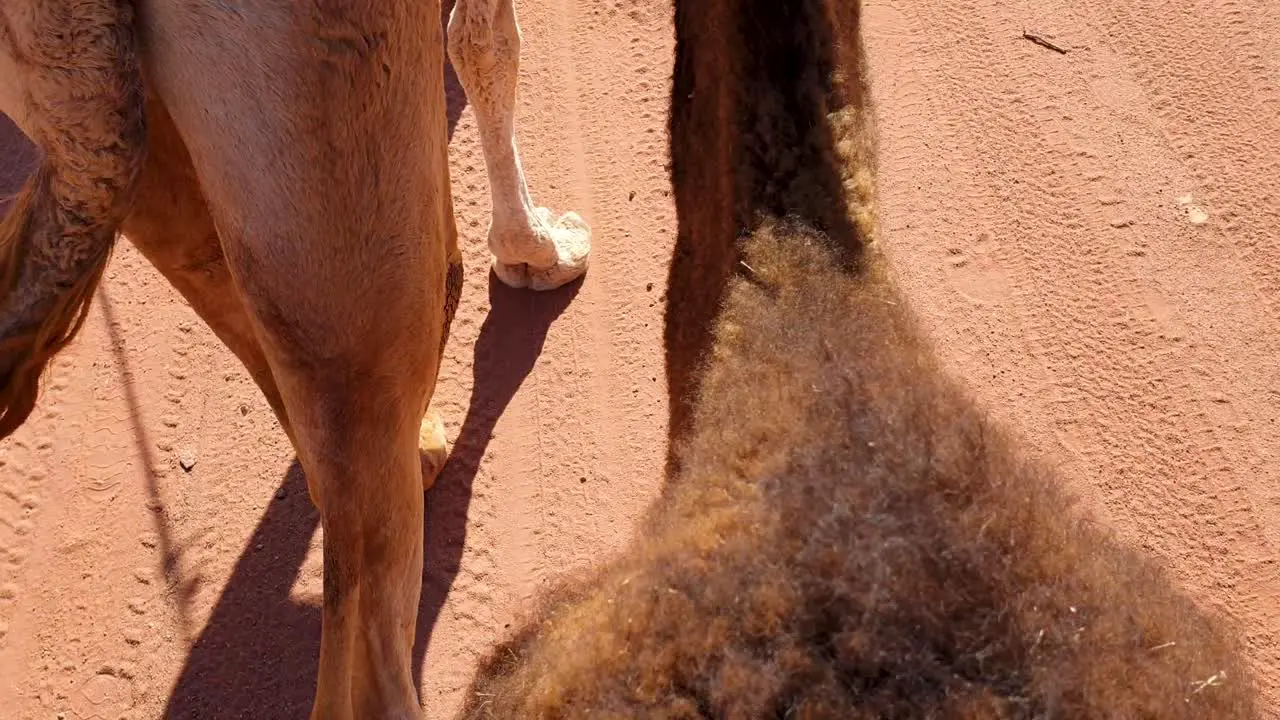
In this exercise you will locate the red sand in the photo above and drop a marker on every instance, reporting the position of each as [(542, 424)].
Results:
[(1092, 237)]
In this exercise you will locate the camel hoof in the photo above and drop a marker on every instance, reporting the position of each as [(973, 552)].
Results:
[(434, 448), (569, 235)]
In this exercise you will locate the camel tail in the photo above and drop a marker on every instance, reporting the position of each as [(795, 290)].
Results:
[(81, 77)]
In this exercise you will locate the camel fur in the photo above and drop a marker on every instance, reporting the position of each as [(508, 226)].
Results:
[(844, 533)]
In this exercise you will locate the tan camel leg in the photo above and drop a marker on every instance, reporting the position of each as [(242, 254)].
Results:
[(531, 248), (355, 383), (333, 214), (170, 225)]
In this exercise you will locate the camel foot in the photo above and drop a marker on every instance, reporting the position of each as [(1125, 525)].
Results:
[(565, 241), (434, 448)]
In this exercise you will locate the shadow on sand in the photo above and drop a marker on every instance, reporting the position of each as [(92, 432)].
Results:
[(257, 655)]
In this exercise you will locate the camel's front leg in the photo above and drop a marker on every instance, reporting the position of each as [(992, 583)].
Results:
[(531, 247)]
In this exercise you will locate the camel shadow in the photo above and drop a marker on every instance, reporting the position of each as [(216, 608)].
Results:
[(510, 342), (257, 656)]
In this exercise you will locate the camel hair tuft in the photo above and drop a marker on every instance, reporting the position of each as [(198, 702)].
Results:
[(844, 532)]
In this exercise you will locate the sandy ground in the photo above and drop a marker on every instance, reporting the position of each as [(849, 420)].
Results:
[(1092, 237)]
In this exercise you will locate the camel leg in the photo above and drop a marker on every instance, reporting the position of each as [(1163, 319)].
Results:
[(171, 226), (531, 247), (355, 383), (318, 134)]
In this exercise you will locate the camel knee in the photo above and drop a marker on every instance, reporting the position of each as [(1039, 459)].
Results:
[(356, 425)]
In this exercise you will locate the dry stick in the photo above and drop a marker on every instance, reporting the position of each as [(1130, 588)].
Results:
[(1043, 42)]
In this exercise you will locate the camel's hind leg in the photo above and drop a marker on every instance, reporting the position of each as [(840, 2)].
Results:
[(320, 143), (531, 248), (171, 226)]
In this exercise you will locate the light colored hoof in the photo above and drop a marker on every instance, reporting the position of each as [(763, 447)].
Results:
[(434, 448), (570, 236)]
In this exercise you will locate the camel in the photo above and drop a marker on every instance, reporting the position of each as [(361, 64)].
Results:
[(285, 166), (844, 533)]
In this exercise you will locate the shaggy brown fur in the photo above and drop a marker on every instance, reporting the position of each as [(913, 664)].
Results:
[(57, 236), (737, 152), (848, 535)]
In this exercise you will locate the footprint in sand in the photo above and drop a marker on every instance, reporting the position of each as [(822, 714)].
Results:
[(104, 695), (976, 274)]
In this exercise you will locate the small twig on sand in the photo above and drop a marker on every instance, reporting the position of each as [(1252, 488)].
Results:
[(1044, 42)]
